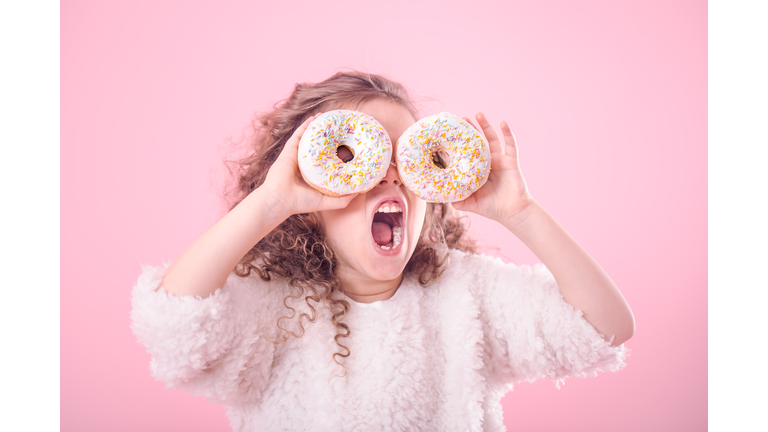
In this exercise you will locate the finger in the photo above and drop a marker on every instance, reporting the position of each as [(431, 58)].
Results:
[(490, 134), (335, 203), (292, 146), (302, 128), (468, 120), (510, 143), (467, 204)]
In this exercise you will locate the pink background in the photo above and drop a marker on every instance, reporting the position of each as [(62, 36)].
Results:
[(608, 101)]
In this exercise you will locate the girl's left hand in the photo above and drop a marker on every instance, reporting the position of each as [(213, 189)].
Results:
[(505, 194)]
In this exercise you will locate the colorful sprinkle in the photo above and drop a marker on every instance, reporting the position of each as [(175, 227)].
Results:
[(368, 141), (468, 151)]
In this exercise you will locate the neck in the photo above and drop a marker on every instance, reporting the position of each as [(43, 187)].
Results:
[(365, 290)]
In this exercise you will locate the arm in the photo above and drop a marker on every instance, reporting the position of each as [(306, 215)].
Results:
[(583, 283), (216, 346), (205, 265)]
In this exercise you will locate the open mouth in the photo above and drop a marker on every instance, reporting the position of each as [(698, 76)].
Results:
[(387, 226)]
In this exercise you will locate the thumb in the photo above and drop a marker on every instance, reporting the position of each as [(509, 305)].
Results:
[(335, 203), (468, 204), (460, 205)]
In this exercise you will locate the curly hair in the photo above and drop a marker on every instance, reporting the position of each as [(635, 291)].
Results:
[(297, 249)]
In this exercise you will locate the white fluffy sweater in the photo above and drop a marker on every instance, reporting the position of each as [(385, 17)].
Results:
[(430, 358)]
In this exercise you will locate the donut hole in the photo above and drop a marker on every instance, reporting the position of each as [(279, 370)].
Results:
[(345, 153), (441, 159)]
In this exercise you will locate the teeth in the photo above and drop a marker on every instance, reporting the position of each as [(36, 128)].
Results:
[(397, 237), (397, 232), (394, 208)]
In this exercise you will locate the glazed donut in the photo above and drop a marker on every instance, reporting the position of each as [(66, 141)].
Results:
[(449, 137), (362, 135)]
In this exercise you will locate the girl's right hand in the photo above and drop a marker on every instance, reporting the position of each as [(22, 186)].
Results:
[(288, 190), (205, 265)]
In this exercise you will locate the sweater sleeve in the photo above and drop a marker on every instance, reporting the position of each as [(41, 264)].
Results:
[(220, 347), (531, 332)]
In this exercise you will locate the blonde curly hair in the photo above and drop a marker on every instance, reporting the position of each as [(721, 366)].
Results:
[(297, 249)]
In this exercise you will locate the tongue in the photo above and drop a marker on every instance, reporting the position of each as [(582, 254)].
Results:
[(382, 233)]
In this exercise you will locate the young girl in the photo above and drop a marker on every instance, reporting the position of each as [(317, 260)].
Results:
[(317, 328)]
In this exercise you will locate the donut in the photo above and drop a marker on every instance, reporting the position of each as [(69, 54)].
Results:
[(443, 139), (352, 132)]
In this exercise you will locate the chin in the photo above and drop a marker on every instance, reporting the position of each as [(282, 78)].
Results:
[(387, 270)]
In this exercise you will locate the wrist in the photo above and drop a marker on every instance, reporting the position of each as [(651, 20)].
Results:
[(522, 218), (271, 204)]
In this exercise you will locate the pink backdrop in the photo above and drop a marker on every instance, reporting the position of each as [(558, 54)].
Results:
[(608, 101)]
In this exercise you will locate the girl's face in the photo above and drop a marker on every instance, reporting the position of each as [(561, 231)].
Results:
[(376, 234)]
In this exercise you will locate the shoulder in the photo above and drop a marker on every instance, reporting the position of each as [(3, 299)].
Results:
[(238, 298), (495, 284), (253, 299), (470, 262), (491, 270), (470, 269), (464, 281), (254, 289)]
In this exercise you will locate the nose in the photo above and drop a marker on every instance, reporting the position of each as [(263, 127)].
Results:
[(392, 177)]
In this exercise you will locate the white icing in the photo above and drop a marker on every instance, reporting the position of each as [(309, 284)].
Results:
[(366, 137), (469, 153)]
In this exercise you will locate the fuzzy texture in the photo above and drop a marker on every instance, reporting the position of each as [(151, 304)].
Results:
[(430, 358)]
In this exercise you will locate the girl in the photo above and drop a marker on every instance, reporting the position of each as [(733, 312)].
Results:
[(317, 328)]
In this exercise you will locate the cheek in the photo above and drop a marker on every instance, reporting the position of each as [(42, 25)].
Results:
[(345, 227)]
